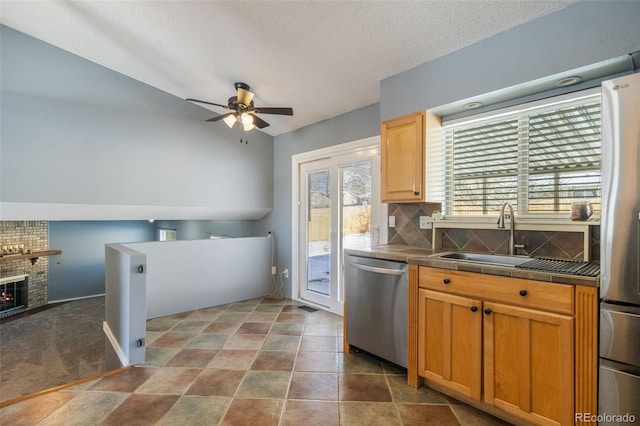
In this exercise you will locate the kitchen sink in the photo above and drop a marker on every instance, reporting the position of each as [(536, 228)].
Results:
[(492, 259)]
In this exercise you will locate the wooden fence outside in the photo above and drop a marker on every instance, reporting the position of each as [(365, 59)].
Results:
[(356, 220)]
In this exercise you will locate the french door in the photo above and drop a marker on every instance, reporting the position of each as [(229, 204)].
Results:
[(339, 208)]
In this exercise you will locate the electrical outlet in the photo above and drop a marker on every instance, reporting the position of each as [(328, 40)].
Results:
[(273, 270), (285, 273), (392, 221), (426, 222)]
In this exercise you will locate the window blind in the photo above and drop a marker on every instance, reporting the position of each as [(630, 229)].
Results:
[(564, 157), (538, 159)]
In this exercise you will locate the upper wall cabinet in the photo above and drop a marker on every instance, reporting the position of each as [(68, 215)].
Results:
[(403, 157)]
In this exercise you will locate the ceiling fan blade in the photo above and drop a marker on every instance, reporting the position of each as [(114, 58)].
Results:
[(244, 96), (208, 103), (274, 110), (259, 122), (221, 116)]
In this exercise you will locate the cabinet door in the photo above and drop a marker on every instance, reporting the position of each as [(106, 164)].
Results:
[(528, 363), (450, 341), (402, 158)]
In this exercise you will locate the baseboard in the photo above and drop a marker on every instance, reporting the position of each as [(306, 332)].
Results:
[(51, 302)]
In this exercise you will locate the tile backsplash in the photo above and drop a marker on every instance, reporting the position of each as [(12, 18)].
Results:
[(407, 230), (555, 244)]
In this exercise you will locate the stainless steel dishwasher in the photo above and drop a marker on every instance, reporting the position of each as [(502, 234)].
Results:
[(377, 298)]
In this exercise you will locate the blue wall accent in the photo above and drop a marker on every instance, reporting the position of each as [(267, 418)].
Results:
[(77, 134), (582, 34), (203, 229), (79, 270)]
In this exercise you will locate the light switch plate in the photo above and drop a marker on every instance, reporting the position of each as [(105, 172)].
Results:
[(392, 221)]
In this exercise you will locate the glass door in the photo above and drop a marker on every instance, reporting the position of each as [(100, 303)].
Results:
[(355, 204), (336, 197), (317, 233)]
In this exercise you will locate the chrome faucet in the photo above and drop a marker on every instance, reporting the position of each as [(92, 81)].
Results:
[(512, 232)]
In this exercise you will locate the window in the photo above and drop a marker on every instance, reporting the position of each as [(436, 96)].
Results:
[(539, 159), (166, 234)]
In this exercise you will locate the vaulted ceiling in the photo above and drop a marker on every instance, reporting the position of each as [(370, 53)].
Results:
[(323, 58)]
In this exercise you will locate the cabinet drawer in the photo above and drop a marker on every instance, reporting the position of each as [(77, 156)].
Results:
[(515, 291)]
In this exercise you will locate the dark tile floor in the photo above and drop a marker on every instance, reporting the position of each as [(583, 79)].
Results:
[(257, 362)]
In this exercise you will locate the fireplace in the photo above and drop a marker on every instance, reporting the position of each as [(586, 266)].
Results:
[(13, 295)]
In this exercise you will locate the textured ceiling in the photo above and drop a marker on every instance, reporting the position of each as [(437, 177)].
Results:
[(323, 58)]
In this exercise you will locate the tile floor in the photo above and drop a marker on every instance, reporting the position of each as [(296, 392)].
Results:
[(258, 362)]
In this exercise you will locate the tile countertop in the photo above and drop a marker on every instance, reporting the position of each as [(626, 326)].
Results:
[(419, 256)]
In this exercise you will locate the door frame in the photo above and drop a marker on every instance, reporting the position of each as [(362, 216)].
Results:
[(319, 154)]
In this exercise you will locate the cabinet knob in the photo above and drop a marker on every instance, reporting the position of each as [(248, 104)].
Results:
[(474, 309), (446, 281), (523, 292), (416, 192), (487, 311)]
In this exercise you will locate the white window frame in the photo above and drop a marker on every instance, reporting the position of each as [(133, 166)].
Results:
[(318, 154), (447, 170)]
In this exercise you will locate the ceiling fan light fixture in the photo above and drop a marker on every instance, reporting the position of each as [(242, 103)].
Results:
[(230, 120), (243, 110), (246, 118)]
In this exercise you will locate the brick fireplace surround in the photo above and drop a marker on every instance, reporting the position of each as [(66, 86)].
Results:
[(34, 235)]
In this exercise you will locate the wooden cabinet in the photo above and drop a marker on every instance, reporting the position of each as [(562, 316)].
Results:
[(450, 341), (407, 143), (515, 291), (528, 363), (402, 158), (507, 345)]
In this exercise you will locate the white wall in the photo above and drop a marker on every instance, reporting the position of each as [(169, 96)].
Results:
[(178, 276), (186, 275)]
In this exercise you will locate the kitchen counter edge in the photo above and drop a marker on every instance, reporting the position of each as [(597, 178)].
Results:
[(420, 257)]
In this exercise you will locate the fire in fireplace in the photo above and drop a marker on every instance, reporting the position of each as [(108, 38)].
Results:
[(13, 294)]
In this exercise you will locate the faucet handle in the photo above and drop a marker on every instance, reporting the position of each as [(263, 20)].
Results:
[(523, 245)]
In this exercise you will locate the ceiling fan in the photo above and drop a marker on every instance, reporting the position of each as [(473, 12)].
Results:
[(243, 109)]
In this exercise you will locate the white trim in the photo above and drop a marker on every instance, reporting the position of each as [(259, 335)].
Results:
[(71, 211), (296, 160), (522, 107), (75, 298), (14, 279), (114, 344), (466, 221), (344, 148)]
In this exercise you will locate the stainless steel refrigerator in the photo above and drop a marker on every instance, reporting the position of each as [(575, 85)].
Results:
[(619, 372)]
